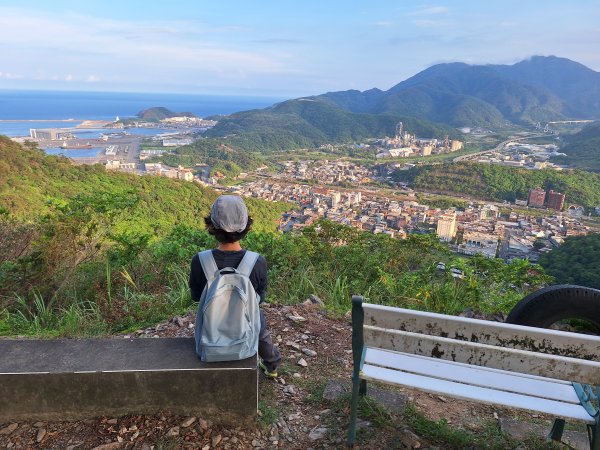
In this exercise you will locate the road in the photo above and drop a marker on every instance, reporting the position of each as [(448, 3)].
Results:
[(497, 149)]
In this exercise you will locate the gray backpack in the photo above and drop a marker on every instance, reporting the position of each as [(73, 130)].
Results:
[(228, 318)]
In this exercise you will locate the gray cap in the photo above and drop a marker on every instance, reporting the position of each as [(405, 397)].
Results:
[(229, 213)]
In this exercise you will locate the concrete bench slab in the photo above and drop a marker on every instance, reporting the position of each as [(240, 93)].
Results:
[(75, 379)]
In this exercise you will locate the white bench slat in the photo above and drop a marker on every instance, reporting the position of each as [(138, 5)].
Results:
[(472, 375), (475, 393), (513, 360), (483, 331)]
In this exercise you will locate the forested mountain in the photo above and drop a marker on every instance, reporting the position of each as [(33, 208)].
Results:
[(583, 148), (498, 183), (310, 122), (538, 89), (575, 84), (455, 94)]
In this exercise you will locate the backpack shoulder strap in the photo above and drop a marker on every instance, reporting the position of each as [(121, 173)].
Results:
[(247, 263), (209, 266)]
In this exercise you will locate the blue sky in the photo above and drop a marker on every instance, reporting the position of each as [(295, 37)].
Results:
[(278, 48)]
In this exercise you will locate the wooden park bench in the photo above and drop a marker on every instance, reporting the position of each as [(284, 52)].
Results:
[(498, 363), (76, 379)]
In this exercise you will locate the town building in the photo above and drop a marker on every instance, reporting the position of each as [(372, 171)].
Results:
[(446, 226), (475, 243), (537, 197), (556, 200)]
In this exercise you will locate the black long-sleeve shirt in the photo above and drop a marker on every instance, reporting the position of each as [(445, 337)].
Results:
[(258, 276)]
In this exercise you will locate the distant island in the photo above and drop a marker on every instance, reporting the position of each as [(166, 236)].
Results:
[(161, 113)]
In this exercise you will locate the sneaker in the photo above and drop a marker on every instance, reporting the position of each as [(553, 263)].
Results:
[(266, 371)]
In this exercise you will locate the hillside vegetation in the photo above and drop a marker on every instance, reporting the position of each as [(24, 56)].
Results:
[(498, 183), (33, 184), (217, 153), (577, 261), (84, 251), (583, 148)]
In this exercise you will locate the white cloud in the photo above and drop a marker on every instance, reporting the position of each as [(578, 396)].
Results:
[(383, 24), (10, 76), (127, 50), (92, 78), (430, 10)]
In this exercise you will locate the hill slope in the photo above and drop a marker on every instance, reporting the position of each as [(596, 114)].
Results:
[(583, 148), (31, 180), (310, 122), (500, 183)]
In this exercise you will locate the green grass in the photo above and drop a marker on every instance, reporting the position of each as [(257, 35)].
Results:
[(269, 410), (488, 437)]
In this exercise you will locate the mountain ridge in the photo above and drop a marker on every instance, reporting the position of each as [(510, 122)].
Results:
[(520, 93), (437, 98)]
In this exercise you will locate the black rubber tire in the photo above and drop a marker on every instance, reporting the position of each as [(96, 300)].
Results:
[(555, 303)]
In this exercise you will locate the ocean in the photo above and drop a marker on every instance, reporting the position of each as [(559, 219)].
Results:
[(42, 109)]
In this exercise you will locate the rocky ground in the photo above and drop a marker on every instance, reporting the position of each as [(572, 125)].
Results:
[(305, 407)]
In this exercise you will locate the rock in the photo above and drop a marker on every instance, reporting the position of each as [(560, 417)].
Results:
[(234, 440), (335, 389), (393, 401), (39, 424), (111, 446), (520, 431), (410, 439), (111, 421), (309, 352), (290, 389), (294, 416), (296, 375), (316, 300), (40, 435), (190, 325), (317, 433), (296, 318), (293, 345), (361, 423), (173, 432), (256, 443), (187, 422), (325, 411), (576, 440), (180, 322), (203, 424), (9, 429), (442, 398), (304, 337), (302, 363), (215, 440), (206, 447)]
